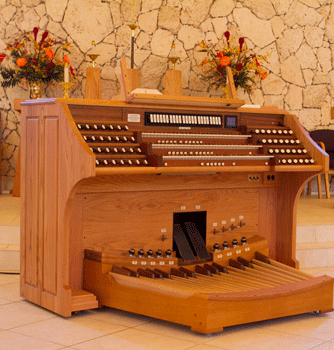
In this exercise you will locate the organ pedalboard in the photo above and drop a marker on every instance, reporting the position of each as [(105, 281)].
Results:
[(180, 209)]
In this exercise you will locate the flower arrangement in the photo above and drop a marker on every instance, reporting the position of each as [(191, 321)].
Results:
[(246, 67), (34, 59)]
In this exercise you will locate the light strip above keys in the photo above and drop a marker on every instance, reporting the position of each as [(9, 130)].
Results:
[(178, 146), (217, 157), (204, 136)]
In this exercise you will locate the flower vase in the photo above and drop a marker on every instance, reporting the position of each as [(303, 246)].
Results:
[(35, 89)]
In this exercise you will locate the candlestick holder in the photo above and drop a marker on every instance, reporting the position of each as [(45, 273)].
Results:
[(173, 60), (93, 57), (66, 87)]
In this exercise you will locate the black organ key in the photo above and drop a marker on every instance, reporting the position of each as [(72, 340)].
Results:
[(175, 272), (244, 262), (168, 253), (159, 253), (150, 253), (121, 271), (212, 269), (187, 272), (141, 253), (132, 252), (202, 270), (225, 245), (163, 273), (155, 273), (146, 273), (236, 264), (221, 268), (216, 247), (132, 273)]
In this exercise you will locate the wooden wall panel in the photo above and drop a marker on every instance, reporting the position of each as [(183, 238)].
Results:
[(32, 179), (122, 220), (50, 229)]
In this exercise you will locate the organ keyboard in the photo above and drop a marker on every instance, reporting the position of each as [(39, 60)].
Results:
[(183, 210)]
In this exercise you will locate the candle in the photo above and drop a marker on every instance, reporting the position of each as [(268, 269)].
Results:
[(66, 73), (93, 47)]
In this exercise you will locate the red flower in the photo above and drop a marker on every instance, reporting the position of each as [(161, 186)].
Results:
[(72, 70), (241, 42), (227, 35), (219, 55), (21, 62), (220, 69), (35, 31), (239, 67), (44, 36), (2, 56), (49, 66)]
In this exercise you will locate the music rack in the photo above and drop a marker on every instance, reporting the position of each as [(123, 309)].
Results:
[(194, 216)]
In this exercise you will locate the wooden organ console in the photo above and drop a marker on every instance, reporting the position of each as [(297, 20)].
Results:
[(180, 209)]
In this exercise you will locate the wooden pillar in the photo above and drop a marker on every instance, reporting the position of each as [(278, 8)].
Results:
[(173, 84), (93, 84)]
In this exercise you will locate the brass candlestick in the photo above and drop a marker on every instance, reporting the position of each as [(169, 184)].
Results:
[(132, 27), (173, 60), (66, 87), (173, 57), (93, 57)]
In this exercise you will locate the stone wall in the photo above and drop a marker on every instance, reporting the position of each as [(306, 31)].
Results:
[(298, 34)]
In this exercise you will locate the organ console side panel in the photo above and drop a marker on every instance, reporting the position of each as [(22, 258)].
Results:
[(54, 160), (177, 210)]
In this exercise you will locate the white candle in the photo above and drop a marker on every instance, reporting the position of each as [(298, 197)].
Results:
[(66, 73)]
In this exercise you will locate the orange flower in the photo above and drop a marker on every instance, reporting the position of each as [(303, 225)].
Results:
[(204, 61), (263, 75), (21, 62), (49, 53), (66, 59), (225, 61)]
